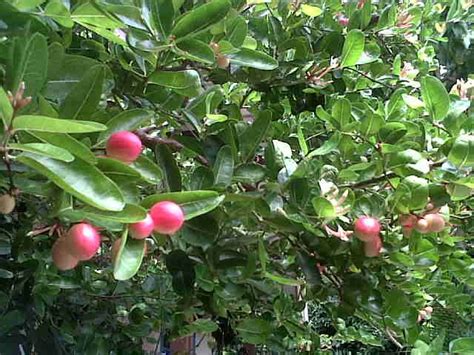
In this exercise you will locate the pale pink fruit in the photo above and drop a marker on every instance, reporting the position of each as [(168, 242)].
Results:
[(422, 226), (142, 229), (436, 222), (83, 241), (373, 247), (167, 216), (124, 146), (61, 257)]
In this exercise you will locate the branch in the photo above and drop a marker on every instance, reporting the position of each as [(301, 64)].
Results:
[(151, 141), (370, 78)]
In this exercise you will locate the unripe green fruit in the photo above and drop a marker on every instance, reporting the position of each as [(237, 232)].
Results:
[(7, 204)]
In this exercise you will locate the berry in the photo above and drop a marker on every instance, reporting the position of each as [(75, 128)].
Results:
[(222, 61), (83, 241), (408, 220), (422, 226), (7, 204), (61, 257), (143, 229), (343, 20), (124, 146), (367, 228), (167, 216), (373, 247), (436, 222)]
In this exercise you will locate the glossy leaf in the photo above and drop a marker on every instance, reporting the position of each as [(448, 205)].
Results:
[(169, 167), (254, 134), (353, 48), (462, 152), (253, 330), (253, 59), (158, 14), (125, 121), (80, 179), (82, 100), (435, 97), (148, 170), (196, 50), (129, 257), (186, 82), (201, 231), (56, 125), (44, 149), (6, 109), (250, 173), (201, 18), (223, 167)]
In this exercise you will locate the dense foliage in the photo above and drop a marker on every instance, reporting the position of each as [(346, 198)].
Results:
[(274, 125)]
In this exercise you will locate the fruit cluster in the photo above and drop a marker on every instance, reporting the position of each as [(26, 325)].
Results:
[(82, 241), (428, 223), (367, 229)]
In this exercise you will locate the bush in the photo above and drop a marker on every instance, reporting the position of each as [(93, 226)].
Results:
[(274, 125)]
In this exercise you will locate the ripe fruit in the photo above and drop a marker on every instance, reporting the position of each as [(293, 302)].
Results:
[(7, 204), (61, 257), (343, 20), (408, 220), (222, 61), (167, 216), (143, 229), (83, 241), (124, 146), (422, 226), (435, 222), (366, 228), (373, 247)]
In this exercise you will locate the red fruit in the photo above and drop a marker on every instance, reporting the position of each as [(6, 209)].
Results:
[(83, 241), (422, 226), (408, 220), (436, 222), (124, 146), (167, 216), (61, 257), (367, 228), (143, 229), (372, 248)]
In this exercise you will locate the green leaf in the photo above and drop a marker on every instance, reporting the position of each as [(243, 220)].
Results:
[(353, 48), (323, 207), (186, 82), (158, 15), (262, 254), (435, 97), (329, 146), (148, 170), (113, 167), (399, 309), (392, 132), (250, 139), (341, 111), (10, 320), (125, 121), (171, 173), (307, 263), (311, 11), (194, 203), (44, 149), (462, 152), (56, 125), (80, 179), (200, 326), (58, 12), (223, 167), (250, 173), (82, 100), (201, 231), (196, 50), (201, 18), (283, 280), (236, 31), (462, 346), (411, 194), (6, 109), (30, 65), (67, 142), (254, 330), (371, 124), (181, 269), (129, 257), (129, 214), (253, 59)]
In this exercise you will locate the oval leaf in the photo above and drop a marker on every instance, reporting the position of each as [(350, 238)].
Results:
[(353, 48), (125, 121), (47, 124), (253, 59), (435, 96), (129, 257), (47, 150)]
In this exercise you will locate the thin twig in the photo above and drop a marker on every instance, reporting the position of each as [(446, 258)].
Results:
[(370, 78)]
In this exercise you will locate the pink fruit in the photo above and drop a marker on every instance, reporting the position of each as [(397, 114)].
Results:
[(436, 222), (83, 241), (61, 257), (124, 146), (167, 216), (408, 220), (367, 228), (373, 247), (343, 20), (143, 229), (422, 226)]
